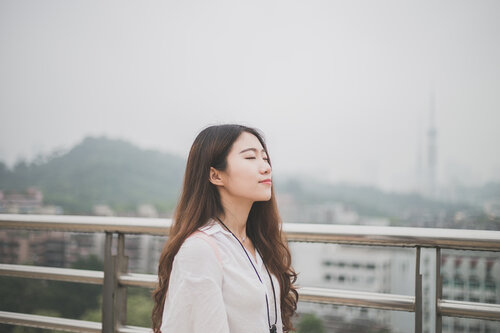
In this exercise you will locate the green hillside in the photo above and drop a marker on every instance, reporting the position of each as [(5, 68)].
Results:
[(101, 171)]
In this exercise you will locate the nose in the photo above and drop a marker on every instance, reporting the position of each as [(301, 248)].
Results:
[(265, 168)]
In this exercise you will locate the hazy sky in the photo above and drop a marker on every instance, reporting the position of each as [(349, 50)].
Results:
[(341, 89)]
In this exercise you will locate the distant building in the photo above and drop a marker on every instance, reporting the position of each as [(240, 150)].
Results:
[(147, 210), (467, 276), (82, 245), (351, 268), (472, 277), (28, 202), (492, 208), (144, 252), (103, 210), (324, 213), (48, 248), (14, 247)]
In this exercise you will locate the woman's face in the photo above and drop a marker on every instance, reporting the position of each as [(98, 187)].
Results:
[(248, 173)]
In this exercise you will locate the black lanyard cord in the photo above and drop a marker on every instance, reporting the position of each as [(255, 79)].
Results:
[(272, 328)]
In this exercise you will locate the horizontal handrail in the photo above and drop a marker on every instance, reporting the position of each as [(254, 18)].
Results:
[(52, 273), (55, 323), (461, 239), (320, 295), (134, 329), (76, 223), (65, 324), (138, 280), (358, 298), (469, 309)]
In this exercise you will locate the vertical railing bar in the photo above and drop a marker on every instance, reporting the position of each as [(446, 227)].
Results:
[(439, 291), (418, 293), (121, 244), (108, 286), (121, 266)]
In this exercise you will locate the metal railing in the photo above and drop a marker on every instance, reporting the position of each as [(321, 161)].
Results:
[(115, 278)]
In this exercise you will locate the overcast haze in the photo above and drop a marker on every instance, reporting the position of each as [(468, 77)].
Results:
[(341, 89)]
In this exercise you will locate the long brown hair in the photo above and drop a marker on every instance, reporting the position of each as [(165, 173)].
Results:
[(200, 201)]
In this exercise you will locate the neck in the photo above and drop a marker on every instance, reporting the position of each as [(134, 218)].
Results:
[(235, 214)]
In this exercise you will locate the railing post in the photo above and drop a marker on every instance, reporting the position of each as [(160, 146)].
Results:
[(439, 291), (120, 266), (108, 286), (418, 293)]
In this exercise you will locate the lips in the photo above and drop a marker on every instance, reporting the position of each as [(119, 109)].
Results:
[(266, 181)]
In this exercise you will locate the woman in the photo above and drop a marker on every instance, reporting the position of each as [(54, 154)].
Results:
[(226, 243)]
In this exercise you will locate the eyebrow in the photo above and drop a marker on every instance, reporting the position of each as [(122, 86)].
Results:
[(252, 149)]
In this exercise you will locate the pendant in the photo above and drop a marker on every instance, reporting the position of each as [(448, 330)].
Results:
[(272, 329)]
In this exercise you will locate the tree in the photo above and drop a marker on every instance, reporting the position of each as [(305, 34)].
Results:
[(309, 323), (53, 298)]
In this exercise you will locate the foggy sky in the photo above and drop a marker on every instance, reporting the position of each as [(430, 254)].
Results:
[(341, 89)]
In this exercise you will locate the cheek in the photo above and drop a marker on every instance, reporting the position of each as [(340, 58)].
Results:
[(243, 177), (243, 181), (241, 170)]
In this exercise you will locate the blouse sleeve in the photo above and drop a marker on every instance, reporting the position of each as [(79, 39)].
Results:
[(194, 300)]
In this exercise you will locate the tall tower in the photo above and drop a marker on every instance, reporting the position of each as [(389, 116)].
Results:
[(431, 151), (420, 178)]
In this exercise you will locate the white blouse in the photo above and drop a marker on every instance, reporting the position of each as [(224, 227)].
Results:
[(208, 295)]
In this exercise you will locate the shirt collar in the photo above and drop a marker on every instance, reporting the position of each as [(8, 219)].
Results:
[(212, 227)]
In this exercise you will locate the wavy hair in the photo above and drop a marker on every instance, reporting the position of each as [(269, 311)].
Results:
[(200, 200)]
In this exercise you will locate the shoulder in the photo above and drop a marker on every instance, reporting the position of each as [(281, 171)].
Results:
[(204, 243), (197, 258), (196, 246)]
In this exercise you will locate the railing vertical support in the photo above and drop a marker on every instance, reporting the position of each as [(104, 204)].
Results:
[(439, 291), (120, 301), (418, 293), (108, 286)]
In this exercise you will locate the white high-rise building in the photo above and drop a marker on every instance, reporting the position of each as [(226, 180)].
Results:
[(356, 268), (473, 277), (380, 270)]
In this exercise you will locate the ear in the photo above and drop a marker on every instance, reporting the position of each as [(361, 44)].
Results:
[(215, 177)]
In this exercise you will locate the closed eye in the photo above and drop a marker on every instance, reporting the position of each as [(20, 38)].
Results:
[(253, 158)]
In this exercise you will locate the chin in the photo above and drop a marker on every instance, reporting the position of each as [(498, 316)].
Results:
[(262, 196), (265, 198)]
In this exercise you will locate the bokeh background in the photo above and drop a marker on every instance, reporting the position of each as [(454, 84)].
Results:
[(379, 113)]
